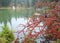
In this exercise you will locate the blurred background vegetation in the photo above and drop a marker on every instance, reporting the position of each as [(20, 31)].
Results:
[(6, 35), (27, 3)]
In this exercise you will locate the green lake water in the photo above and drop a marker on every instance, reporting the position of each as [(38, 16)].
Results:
[(14, 17)]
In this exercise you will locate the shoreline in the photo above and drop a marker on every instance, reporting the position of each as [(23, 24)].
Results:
[(15, 8)]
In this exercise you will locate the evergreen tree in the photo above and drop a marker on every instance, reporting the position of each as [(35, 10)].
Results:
[(7, 34)]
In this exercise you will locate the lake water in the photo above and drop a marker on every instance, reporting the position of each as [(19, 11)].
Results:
[(14, 17)]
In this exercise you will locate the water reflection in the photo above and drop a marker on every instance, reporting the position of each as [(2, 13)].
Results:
[(5, 16), (14, 17)]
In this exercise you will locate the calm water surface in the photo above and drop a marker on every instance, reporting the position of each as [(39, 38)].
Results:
[(14, 17)]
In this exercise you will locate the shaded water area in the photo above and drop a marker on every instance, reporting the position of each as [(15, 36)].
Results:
[(14, 17)]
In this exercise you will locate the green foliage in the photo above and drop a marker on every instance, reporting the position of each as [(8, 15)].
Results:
[(5, 2), (7, 34), (2, 40), (58, 41)]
